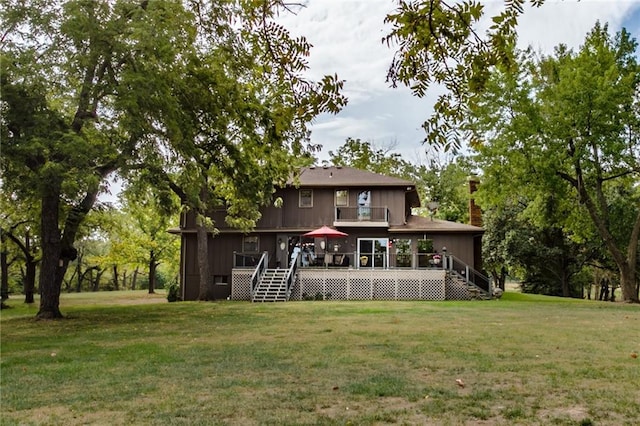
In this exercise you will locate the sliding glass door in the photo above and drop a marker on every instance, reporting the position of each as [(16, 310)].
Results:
[(373, 253)]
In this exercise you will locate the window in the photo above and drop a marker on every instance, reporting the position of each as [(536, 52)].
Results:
[(403, 253), (425, 253), (250, 244), (364, 201), (342, 197), (221, 280), (306, 198)]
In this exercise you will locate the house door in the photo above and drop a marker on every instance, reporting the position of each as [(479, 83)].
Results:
[(373, 253), (285, 244)]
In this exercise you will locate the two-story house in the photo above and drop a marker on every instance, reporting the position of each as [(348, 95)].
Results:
[(380, 249)]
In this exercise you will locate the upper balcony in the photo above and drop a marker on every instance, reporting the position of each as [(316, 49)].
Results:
[(361, 217)]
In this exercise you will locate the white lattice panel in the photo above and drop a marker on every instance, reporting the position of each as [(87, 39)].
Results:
[(353, 284), (360, 289), (433, 290), (336, 287), (409, 289), (241, 284), (312, 286), (384, 287)]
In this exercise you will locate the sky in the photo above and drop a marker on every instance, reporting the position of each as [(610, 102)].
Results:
[(346, 37)]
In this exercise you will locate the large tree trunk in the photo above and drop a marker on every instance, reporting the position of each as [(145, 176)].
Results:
[(203, 258), (57, 247), (628, 284), (52, 262)]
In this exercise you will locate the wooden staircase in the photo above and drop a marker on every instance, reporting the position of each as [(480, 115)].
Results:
[(272, 286)]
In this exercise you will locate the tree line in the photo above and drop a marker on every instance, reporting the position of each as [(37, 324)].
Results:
[(185, 101)]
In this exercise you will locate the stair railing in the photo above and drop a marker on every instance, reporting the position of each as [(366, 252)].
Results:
[(470, 275), (257, 273), (291, 273)]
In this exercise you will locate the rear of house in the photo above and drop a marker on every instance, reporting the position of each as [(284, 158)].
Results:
[(386, 253)]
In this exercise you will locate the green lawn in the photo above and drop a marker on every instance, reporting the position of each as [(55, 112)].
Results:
[(129, 358)]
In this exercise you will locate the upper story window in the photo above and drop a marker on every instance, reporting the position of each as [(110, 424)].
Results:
[(342, 197), (306, 198), (250, 244)]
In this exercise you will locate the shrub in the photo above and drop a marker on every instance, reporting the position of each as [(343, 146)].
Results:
[(173, 291)]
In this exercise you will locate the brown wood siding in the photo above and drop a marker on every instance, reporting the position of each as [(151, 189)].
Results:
[(221, 252), (458, 245), (190, 271), (321, 213), (222, 248), (394, 200), (291, 215)]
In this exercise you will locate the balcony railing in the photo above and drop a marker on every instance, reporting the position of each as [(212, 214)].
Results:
[(361, 216), (376, 260)]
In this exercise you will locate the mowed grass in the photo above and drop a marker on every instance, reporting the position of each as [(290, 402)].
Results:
[(129, 358)]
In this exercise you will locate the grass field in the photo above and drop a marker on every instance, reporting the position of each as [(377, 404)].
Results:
[(126, 358)]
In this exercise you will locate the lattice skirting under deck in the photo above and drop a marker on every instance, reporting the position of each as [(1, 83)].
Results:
[(241, 284), (353, 284)]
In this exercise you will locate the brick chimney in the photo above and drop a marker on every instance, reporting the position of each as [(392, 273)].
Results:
[(475, 214)]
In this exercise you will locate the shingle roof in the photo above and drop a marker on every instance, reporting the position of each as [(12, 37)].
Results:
[(425, 224), (338, 176)]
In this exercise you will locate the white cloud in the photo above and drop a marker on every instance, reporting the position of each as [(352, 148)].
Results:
[(347, 39), (568, 22)]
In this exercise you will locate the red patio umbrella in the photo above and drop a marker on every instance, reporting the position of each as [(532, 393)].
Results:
[(325, 232)]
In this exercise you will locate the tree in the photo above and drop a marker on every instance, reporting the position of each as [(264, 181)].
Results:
[(244, 106), (17, 226), (564, 131), (151, 219), (367, 156), (444, 179), (89, 88), (66, 69), (438, 44)]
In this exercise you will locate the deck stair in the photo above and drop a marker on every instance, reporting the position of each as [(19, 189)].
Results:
[(272, 286), (475, 292)]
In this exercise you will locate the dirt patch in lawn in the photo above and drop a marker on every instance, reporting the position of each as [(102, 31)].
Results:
[(64, 415)]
